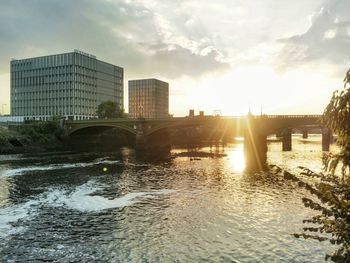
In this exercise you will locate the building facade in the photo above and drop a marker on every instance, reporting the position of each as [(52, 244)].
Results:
[(70, 85), (148, 98)]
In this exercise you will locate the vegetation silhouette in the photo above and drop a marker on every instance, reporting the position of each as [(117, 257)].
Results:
[(332, 223), (109, 109)]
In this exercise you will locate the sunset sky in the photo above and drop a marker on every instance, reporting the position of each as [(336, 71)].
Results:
[(282, 56)]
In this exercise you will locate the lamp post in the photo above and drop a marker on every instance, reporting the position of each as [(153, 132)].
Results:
[(2, 109)]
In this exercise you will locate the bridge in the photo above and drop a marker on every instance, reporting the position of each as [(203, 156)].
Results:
[(255, 129)]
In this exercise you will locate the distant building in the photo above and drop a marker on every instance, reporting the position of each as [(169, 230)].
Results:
[(70, 84), (148, 98)]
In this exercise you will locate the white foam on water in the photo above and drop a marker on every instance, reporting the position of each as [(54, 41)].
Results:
[(83, 200), (80, 199), (138, 164), (11, 157), (19, 171), (14, 213)]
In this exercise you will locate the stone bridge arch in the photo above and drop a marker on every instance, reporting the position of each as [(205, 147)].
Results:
[(97, 128)]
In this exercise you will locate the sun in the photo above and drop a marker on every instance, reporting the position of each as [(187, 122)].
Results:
[(258, 88)]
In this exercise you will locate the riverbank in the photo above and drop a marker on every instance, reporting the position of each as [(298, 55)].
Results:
[(34, 137)]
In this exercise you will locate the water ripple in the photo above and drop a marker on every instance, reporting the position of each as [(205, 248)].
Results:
[(181, 210)]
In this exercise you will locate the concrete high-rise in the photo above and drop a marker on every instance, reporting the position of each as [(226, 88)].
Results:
[(148, 98), (70, 85)]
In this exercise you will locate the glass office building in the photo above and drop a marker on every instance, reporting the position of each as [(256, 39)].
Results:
[(148, 98), (70, 85)]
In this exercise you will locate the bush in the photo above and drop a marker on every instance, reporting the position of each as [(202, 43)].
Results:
[(333, 192), (337, 118), (40, 131)]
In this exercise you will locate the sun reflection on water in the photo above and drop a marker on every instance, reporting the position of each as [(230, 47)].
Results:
[(236, 158)]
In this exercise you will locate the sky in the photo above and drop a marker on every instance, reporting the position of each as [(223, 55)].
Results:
[(275, 57)]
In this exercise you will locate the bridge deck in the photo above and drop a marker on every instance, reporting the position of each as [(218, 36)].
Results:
[(266, 123)]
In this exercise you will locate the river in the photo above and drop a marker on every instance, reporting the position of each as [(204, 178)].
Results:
[(119, 207)]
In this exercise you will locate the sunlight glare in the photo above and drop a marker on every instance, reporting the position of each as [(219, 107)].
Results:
[(258, 88), (236, 159)]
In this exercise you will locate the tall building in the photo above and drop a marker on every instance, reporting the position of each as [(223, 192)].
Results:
[(70, 84), (148, 98)]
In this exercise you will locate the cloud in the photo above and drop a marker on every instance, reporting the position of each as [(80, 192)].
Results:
[(326, 41), (183, 41), (179, 61), (132, 34)]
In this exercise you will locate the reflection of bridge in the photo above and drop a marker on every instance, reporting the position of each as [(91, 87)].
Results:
[(254, 128)]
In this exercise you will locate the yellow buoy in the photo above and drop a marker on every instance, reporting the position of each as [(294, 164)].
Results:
[(105, 169)]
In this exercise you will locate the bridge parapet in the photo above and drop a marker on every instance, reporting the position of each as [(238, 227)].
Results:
[(291, 116)]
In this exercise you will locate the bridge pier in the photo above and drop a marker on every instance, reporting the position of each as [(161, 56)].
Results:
[(287, 140), (326, 139), (305, 134), (279, 134), (255, 147), (140, 138), (140, 141)]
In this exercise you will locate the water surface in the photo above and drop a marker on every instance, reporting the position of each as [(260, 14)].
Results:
[(120, 207)]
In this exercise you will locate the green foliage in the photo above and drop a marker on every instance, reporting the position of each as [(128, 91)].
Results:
[(332, 206), (40, 131), (332, 222), (337, 118), (6, 135), (332, 192), (109, 109)]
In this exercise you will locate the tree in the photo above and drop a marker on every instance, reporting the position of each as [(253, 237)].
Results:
[(333, 192), (109, 109), (337, 118)]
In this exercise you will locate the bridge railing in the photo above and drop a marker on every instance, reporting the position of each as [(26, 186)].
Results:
[(295, 116), (128, 120), (292, 116)]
